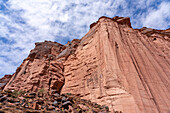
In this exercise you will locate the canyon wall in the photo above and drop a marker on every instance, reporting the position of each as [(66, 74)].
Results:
[(113, 64), (121, 67)]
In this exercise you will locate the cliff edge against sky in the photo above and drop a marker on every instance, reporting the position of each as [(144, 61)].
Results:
[(113, 64)]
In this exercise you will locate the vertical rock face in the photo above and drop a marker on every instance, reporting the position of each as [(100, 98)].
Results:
[(113, 64), (121, 67)]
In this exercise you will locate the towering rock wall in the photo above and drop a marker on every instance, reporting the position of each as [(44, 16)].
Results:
[(113, 64), (121, 67)]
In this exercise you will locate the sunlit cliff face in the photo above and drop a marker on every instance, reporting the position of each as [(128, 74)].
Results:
[(113, 64)]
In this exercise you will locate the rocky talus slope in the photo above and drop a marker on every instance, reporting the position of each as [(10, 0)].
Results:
[(126, 69), (44, 102)]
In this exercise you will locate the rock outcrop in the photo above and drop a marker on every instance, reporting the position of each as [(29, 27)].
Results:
[(113, 64), (40, 69)]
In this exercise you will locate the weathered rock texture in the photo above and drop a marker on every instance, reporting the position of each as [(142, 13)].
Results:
[(4, 80), (40, 70), (41, 102), (113, 64)]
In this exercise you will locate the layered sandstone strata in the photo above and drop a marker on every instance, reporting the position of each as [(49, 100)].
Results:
[(113, 64)]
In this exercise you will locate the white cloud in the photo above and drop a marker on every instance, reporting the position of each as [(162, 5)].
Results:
[(24, 22), (157, 18)]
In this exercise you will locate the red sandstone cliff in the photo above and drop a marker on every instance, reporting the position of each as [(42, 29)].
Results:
[(113, 64)]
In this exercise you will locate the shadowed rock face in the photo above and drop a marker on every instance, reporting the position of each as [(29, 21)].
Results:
[(113, 64), (4, 80)]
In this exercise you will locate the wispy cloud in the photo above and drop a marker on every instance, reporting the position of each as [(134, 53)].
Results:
[(24, 22), (158, 17)]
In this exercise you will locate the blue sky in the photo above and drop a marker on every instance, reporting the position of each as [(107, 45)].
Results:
[(24, 22)]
